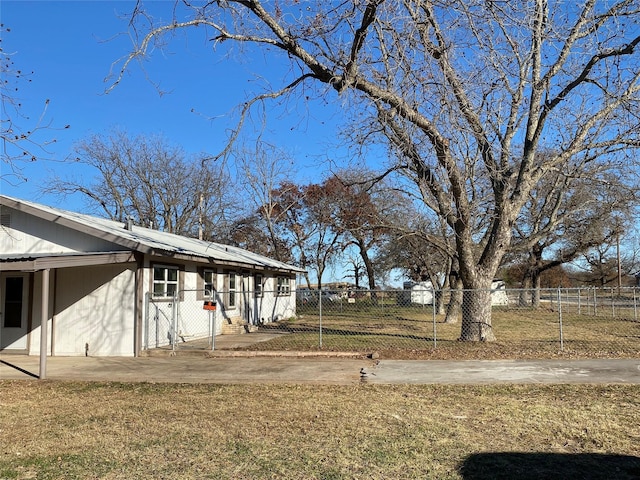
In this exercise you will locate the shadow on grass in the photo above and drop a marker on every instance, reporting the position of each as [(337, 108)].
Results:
[(26, 372), (347, 331), (530, 466)]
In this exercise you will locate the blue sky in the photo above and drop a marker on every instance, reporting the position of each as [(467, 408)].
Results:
[(71, 45)]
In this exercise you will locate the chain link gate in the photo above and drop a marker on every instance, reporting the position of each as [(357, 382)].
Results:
[(188, 321)]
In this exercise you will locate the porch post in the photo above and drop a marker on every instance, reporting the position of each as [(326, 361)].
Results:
[(44, 324)]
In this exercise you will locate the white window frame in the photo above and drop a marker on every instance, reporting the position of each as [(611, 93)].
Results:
[(209, 286), (232, 291), (258, 285), (283, 287), (165, 281)]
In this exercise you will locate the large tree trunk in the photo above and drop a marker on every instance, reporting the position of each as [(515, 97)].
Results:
[(530, 294), (368, 264), (454, 308), (476, 316), (524, 299), (477, 278), (536, 269), (438, 298), (438, 294), (535, 294)]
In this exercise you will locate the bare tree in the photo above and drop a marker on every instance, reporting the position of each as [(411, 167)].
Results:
[(363, 211), (24, 139), (602, 266), (262, 170), (303, 212), (355, 270), (324, 241), (420, 247), (464, 92), (568, 215), (250, 232), (151, 182)]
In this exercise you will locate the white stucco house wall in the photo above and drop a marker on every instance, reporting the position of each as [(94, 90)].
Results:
[(106, 288)]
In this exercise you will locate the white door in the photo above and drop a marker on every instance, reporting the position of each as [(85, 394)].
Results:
[(14, 292)]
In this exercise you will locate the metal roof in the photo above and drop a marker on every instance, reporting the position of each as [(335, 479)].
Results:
[(146, 240)]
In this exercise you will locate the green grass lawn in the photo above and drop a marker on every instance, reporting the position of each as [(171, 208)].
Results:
[(59, 430)]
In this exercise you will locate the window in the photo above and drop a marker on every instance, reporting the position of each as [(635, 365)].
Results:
[(207, 283), (231, 290), (257, 286), (165, 281), (209, 277), (284, 286)]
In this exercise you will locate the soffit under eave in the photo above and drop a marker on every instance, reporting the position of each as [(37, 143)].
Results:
[(167, 256)]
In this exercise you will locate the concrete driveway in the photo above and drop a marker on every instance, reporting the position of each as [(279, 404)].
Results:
[(504, 371), (187, 369), (320, 370)]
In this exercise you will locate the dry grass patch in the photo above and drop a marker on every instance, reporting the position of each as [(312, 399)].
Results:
[(411, 334), (54, 430)]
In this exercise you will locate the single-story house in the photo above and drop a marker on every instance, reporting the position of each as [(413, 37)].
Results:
[(107, 288)]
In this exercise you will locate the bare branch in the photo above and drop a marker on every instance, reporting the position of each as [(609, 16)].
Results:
[(246, 109)]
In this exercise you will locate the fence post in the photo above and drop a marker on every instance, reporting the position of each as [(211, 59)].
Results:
[(156, 320), (174, 321), (433, 310), (145, 336), (320, 321), (595, 303), (613, 305), (212, 323), (635, 306), (579, 302), (560, 320)]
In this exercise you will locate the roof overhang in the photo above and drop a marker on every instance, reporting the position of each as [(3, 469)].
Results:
[(33, 263), (75, 225), (128, 242), (167, 256)]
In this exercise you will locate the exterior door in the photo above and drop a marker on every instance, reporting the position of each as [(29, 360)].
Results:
[(14, 292)]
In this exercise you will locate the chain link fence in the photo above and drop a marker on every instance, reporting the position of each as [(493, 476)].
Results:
[(176, 322), (418, 322), (204, 320)]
